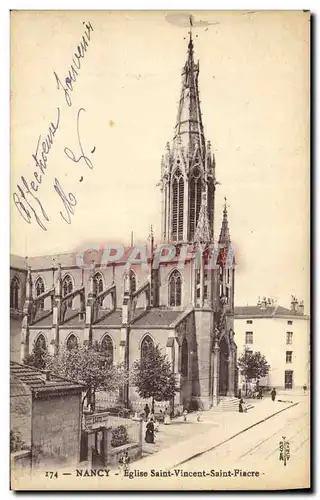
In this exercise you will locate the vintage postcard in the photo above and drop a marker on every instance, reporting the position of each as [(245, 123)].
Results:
[(159, 268)]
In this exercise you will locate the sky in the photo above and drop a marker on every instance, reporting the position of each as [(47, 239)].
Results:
[(254, 91)]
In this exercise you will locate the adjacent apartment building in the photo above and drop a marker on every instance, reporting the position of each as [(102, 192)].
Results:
[(282, 335)]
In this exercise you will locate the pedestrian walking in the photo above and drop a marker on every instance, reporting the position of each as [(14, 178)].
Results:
[(126, 462), (185, 413), (241, 405), (166, 417), (146, 412), (121, 465), (305, 388), (273, 394), (149, 437), (198, 416)]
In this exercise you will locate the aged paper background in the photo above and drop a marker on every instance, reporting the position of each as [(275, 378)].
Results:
[(254, 84)]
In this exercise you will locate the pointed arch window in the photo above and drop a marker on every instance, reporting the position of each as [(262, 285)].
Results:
[(133, 281), (177, 206), (175, 289), (14, 292), (67, 287), (211, 202), (195, 188), (184, 358), (40, 343), (98, 286), (147, 347), (39, 286), (72, 342), (107, 348)]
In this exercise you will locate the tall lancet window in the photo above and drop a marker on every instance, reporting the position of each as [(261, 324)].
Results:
[(133, 281), (195, 189), (147, 347), (67, 287), (98, 285), (14, 292), (211, 203), (39, 290), (177, 206), (175, 289), (107, 349)]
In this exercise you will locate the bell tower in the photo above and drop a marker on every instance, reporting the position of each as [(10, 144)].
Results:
[(188, 165)]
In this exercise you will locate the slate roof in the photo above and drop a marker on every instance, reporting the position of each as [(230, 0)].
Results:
[(269, 312), (158, 317), (36, 381)]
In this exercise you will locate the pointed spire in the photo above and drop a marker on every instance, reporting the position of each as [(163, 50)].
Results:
[(189, 127), (203, 233), (224, 233)]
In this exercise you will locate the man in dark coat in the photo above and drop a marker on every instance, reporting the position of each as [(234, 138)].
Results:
[(146, 412), (273, 394)]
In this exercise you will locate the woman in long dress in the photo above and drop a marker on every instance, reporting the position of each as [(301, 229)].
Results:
[(149, 437)]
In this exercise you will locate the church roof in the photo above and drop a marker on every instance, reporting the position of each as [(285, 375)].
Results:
[(18, 262), (157, 317), (36, 381), (269, 312)]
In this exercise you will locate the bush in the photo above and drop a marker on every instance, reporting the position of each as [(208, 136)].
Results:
[(119, 436)]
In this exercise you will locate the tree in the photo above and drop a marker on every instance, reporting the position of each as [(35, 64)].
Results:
[(253, 365), (87, 365), (153, 377), (37, 358)]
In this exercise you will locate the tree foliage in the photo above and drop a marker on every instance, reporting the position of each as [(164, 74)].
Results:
[(37, 358), (87, 365), (153, 377), (253, 365)]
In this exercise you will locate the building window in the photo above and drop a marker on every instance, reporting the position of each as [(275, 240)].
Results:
[(133, 281), (195, 189), (147, 347), (14, 292), (177, 206), (288, 356), (40, 343), (107, 348), (184, 358), (205, 284), (175, 289), (72, 342), (67, 287), (289, 322), (288, 379), (289, 338), (39, 286), (249, 337), (249, 321)]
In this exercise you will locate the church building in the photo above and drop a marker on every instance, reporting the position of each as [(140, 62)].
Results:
[(185, 305)]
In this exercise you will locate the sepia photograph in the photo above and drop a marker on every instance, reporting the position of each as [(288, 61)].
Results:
[(160, 250)]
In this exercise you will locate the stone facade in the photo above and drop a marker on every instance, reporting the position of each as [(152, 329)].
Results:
[(183, 304)]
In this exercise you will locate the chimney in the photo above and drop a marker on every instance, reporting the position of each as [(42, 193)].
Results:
[(301, 308), (264, 304), (294, 303)]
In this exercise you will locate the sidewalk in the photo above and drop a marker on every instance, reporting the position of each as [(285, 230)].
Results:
[(216, 429)]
